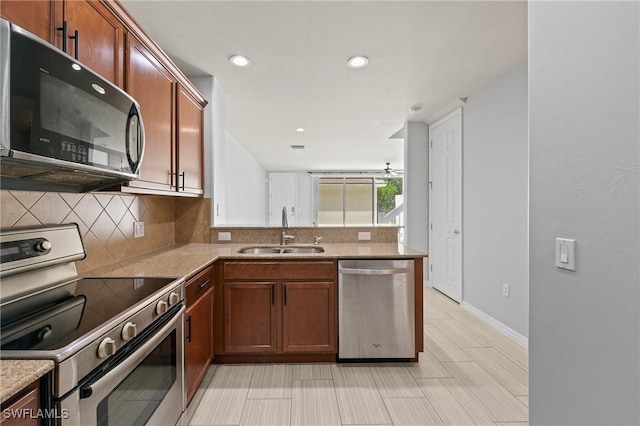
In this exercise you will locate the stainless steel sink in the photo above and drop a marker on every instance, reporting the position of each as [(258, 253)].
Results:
[(303, 250), (260, 250), (281, 250)]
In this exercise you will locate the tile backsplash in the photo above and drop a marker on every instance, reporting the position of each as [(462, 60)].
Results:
[(306, 235), (106, 220)]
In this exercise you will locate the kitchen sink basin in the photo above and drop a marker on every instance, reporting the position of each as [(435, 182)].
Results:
[(260, 250), (303, 250), (281, 250)]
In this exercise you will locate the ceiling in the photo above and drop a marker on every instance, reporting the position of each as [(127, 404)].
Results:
[(423, 53)]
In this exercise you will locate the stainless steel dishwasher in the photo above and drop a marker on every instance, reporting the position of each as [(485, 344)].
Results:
[(376, 309)]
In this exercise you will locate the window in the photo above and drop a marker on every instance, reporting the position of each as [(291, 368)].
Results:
[(358, 200)]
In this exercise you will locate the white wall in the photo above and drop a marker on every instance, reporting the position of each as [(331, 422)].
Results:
[(205, 86), (416, 179), (246, 187), (214, 144), (584, 182), (495, 193)]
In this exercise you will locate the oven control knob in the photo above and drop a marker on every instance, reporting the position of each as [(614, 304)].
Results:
[(174, 298), (129, 331), (161, 307), (42, 246), (107, 347)]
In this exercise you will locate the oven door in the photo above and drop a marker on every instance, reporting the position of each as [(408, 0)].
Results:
[(146, 388)]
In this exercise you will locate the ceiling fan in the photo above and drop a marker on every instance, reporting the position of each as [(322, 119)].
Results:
[(389, 172)]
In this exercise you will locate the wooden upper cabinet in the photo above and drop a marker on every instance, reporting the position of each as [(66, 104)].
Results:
[(37, 17), (149, 82), (100, 38), (190, 142), (111, 43)]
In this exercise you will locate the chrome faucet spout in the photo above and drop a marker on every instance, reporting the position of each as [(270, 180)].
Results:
[(285, 221), (285, 225)]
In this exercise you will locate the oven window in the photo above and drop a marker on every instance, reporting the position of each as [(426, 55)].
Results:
[(134, 401)]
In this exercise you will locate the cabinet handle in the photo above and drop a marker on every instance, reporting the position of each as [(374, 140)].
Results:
[(204, 284), (273, 294), (189, 329), (63, 28), (285, 295), (76, 40)]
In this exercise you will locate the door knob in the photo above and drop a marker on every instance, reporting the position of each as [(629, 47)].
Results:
[(456, 231)]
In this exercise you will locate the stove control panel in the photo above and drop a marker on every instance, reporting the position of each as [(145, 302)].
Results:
[(24, 249)]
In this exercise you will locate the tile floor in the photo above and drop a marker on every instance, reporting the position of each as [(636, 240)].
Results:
[(469, 374)]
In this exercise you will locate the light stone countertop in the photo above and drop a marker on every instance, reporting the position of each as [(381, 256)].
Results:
[(16, 375), (187, 259)]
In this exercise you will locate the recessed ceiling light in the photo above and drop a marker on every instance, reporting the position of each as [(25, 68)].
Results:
[(415, 109), (300, 129), (358, 62), (240, 61), (76, 67)]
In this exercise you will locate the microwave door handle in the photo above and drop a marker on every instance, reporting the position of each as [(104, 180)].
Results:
[(141, 141)]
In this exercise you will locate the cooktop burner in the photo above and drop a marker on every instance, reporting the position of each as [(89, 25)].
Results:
[(69, 311)]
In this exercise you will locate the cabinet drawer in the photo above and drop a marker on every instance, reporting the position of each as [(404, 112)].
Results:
[(198, 285), (292, 270)]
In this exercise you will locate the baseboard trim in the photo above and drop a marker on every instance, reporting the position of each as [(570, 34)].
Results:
[(507, 331)]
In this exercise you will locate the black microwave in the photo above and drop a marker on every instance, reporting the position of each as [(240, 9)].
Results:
[(62, 126)]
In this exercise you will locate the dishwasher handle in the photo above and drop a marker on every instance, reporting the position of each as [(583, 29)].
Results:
[(373, 271)]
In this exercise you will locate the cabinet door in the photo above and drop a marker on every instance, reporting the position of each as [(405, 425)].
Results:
[(198, 341), (36, 16), (29, 403), (100, 38), (309, 317), (250, 317), (190, 143), (149, 82)]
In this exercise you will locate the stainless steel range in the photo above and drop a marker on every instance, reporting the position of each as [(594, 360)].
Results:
[(117, 343)]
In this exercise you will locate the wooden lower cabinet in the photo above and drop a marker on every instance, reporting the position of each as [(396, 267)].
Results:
[(250, 317), (198, 349), (309, 317), (25, 405), (290, 312)]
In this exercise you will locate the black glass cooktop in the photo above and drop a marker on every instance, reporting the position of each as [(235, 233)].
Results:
[(53, 319)]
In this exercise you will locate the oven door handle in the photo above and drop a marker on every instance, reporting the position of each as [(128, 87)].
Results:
[(105, 383)]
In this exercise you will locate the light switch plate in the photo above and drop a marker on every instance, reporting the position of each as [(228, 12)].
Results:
[(566, 254), (364, 236), (224, 236)]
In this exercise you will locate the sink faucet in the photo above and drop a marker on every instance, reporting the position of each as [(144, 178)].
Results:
[(285, 225)]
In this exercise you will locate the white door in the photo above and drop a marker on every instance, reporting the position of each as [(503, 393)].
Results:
[(282, 193), (445, 205)]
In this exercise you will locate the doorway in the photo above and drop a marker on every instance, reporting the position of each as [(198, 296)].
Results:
[(445, 205)]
